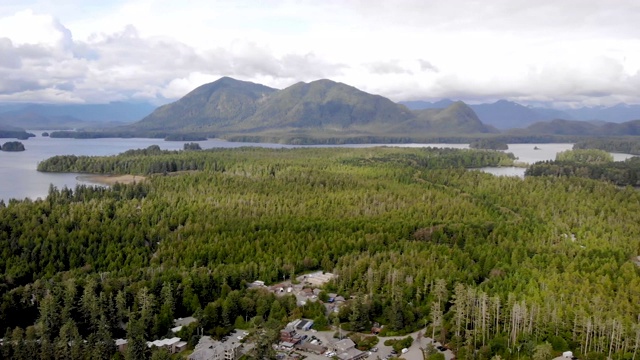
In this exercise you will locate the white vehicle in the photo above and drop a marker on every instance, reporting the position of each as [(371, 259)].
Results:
[(405, 350)]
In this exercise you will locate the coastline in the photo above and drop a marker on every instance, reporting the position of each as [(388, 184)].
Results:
[(111, 179)]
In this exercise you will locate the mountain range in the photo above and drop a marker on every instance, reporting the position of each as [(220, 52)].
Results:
[(504, 114), (322, 108), (229, 106), (70, 116)]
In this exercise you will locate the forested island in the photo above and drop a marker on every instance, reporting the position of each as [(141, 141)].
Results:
[(12, 146), (491, 266), (627, 145), (591, 164), (489, 144), (17, 134)]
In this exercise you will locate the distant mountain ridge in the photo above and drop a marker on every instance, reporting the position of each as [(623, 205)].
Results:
[(504, 114), (581, 128), (60, 116), (319, 107)]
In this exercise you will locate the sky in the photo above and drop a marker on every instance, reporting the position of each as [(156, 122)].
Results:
[(562, 53)]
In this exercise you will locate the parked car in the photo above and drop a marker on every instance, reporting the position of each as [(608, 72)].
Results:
[(374, 349), (441, 348), (393, 352), (405, 350)]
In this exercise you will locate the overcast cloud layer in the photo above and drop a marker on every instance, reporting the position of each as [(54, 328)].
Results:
[(569, 52)]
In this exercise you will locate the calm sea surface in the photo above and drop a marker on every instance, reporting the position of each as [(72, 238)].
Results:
[(19, 178)]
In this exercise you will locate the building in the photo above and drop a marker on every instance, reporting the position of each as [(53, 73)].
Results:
[(121, 344), (346, 350), (209, 349), (174, 345), (313, 348), (318, 278), (304, 324), (288, 334)]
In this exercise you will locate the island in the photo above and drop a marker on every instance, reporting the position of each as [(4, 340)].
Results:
[(489, 144), (12, 146), (192, 146)]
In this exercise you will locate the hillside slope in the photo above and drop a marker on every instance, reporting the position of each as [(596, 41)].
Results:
[(210, 107)]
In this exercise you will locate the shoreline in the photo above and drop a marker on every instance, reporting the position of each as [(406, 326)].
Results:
[(110, 179)]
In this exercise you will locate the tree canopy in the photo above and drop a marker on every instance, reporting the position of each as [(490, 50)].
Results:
[(493, 266)]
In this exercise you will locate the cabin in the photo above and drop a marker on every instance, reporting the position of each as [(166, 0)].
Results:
[(121, 345)]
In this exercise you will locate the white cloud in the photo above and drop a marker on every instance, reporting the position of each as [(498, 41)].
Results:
[(568, 52)]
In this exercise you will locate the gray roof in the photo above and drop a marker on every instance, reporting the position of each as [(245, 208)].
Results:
[(344, 345)]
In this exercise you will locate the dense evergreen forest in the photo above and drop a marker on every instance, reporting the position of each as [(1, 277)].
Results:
[(493, 266), (18, 134), (12, 146), (489, 143), (590, 164), (617, 145)]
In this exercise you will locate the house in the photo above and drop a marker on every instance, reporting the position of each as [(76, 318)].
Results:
[(313, 348), (209, 349), (346, 350), (288, 335), (180, 347), (121, 344), (305, 324), (343, 345), (174, 345), (352, 354), (318, 278)]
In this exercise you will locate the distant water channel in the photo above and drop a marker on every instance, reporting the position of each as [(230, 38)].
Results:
[(531, 153), (19, 178)]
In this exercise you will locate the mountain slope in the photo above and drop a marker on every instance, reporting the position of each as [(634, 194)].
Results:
[(559, 127), (505, 114), (325, 104), (583, 128), (457, 118), (320, 108), (209, 107)]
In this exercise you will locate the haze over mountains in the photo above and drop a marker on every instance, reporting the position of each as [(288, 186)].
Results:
[(504, 114), (318, 108), (69, 116)]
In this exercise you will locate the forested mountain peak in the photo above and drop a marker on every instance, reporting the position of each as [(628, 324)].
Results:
[(328, 104), (454, 119), (210, 106)]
